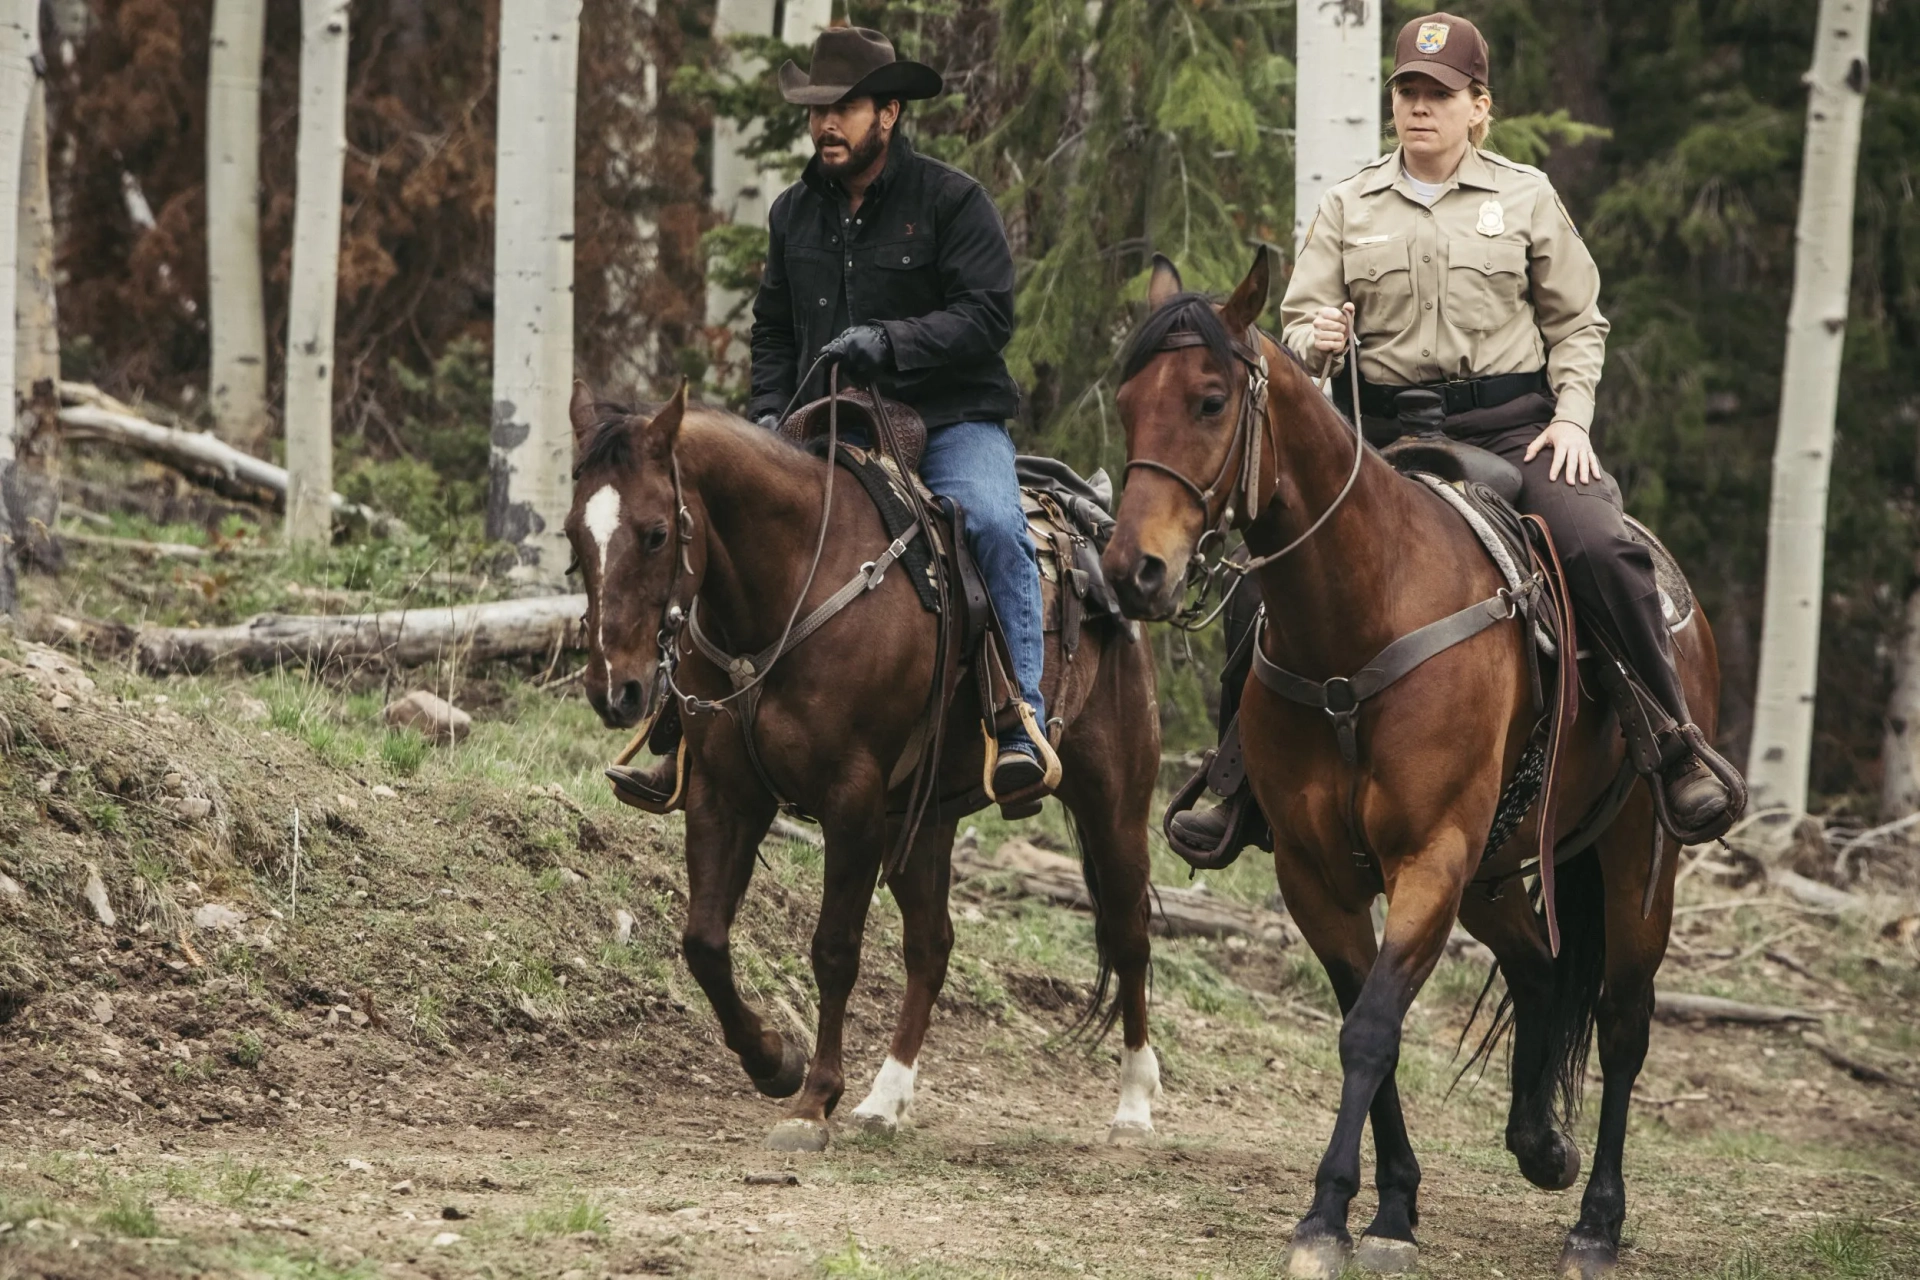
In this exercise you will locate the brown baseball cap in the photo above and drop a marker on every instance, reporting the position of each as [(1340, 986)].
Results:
[(1444, 46)]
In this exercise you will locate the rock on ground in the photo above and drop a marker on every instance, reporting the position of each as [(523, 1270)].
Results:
[(432, 716)]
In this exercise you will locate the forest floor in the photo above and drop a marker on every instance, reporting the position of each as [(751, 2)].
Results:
[(418, 1048)]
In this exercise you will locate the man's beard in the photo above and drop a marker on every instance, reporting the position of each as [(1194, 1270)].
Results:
[(860, 155)]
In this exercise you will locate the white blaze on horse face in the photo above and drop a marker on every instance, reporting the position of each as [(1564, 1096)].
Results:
[(1139, 1087), (603, 518), (890, 1101)]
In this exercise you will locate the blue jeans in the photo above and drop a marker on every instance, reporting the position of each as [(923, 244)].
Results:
[(972, 463)]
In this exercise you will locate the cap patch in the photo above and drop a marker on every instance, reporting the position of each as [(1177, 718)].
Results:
[(1432, 37)]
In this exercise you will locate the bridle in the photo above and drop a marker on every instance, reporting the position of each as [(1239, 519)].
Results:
[(675, 615), (1249, 435)]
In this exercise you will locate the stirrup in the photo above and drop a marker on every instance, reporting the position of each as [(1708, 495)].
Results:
[(1719, 767), (1026, 802), (1246, 824), (633, 786)]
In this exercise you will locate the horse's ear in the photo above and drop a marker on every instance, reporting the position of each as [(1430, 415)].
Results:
[(1165, 282), (581, 413), (1243, 309), (665, 427)]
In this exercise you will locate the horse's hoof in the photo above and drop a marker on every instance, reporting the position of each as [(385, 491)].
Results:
[(873, 1122), (797, 1135), (1384, 1257), (1586, 1259), (1322, 1258), (1128, 1133), (1557, 1168), (785, 1082)]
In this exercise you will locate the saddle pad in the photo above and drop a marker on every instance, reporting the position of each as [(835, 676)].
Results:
[(884, 486), (1676, 593)]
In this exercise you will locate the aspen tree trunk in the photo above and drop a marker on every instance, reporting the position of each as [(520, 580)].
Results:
[(320, 167), (237, 376), (37, 350), (19, 20), (1900, 749), (1778, 764), (1336, 113), (742, 191), (531, 482)]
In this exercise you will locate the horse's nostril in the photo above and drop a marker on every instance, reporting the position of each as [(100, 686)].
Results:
[(1151, 576), (631, 697)]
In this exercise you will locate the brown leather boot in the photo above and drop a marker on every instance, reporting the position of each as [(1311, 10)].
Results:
[(1695, 797), (1204, 828), (656, 790)]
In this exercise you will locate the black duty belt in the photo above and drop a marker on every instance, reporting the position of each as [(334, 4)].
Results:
[(1377, 400)]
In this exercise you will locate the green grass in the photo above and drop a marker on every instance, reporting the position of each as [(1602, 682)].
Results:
[(404, 751), (129, 1214), (248, 1050), (571, 1218)]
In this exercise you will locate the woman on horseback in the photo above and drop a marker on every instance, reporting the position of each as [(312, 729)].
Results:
[(1460, 272)]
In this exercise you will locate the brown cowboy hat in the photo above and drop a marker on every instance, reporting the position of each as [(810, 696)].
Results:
[(855, 62)]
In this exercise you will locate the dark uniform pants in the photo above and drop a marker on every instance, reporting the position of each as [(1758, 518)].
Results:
[(1609, 571)]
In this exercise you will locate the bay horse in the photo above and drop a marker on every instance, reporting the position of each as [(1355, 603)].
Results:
[(693, 508), (1411, 817)]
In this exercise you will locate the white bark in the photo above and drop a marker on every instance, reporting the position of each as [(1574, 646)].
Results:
[(1777, 766), (1900, 749), (38, 353), (19, 20), (320, 167), (237, 376), (533, 286), (1336, 115), (404, 637), (742, 191)]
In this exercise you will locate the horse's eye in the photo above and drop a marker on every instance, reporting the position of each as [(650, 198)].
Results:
[(1213, 406), (655, 538)]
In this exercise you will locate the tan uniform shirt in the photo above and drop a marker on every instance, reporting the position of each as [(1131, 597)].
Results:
[(1492, 279)]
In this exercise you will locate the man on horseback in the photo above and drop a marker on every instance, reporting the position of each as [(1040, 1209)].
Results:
[(898, 266), (1460, 272)]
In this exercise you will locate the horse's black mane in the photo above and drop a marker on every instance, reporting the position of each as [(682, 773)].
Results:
[(1182, 313)]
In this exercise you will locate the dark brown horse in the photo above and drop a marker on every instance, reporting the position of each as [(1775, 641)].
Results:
[(694, 508), (1411, 819)]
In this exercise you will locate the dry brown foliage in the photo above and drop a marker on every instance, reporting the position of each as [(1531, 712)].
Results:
[(416, 268)]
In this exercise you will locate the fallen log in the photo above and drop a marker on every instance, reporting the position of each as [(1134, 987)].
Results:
[(162, 550), (1812, 893), (403, 637), (1176, 913), (1677, 1007), (90, 414)]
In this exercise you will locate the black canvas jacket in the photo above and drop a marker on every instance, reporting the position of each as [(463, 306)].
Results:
[(926, 258)]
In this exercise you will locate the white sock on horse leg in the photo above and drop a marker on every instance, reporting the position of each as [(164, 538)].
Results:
[(891, 1098)]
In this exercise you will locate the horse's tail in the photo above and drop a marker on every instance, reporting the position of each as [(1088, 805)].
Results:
[(1103, 1008), (1581, 899)]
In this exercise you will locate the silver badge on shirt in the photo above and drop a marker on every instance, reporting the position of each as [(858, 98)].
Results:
[(1493, 219)]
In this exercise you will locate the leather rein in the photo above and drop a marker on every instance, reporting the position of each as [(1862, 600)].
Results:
[(1249, 436)]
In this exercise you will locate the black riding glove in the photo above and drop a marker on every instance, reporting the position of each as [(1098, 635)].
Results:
[(863, 350)]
